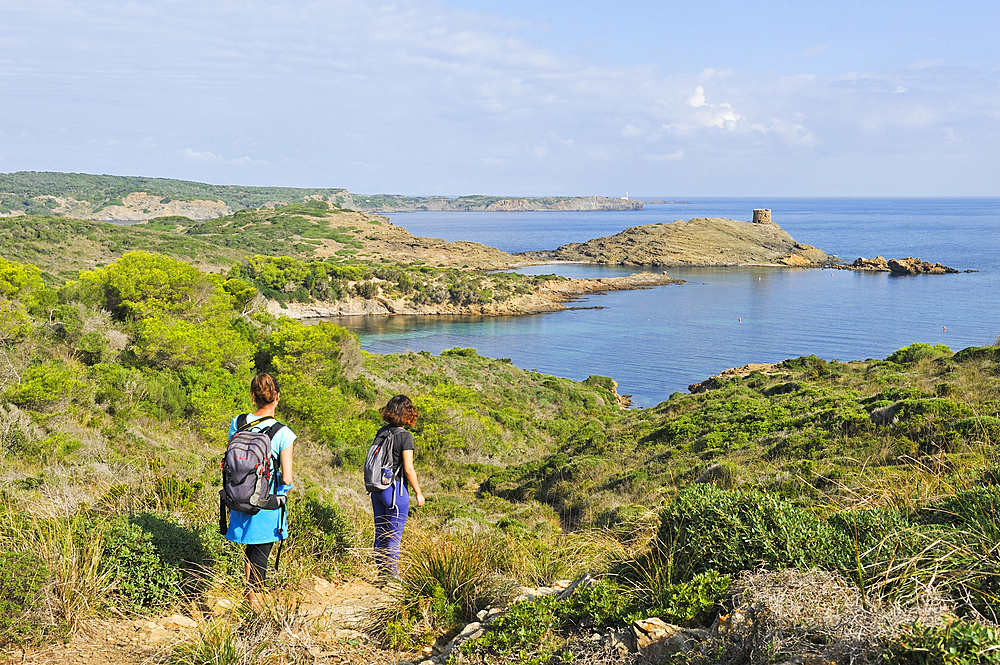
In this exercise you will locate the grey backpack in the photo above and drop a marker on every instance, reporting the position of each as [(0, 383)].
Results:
[(249, 472), (378, 465)]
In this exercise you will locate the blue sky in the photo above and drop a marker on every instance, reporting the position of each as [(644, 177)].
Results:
[(672, 99)]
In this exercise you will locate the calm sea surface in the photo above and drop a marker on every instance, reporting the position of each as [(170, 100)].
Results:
[(657, 341)]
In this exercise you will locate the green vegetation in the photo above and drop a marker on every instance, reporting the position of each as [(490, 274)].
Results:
[(959, 643), (19, 191), (117, 385), (63, 245)]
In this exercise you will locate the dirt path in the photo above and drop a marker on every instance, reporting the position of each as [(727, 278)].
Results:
[(321, 626)]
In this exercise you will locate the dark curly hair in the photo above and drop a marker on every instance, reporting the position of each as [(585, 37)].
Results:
[(400, 412)]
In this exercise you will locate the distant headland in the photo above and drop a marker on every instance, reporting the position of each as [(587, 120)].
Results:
[(125, 199)]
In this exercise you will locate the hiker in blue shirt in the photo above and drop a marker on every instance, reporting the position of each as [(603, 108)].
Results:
[(260, 531)]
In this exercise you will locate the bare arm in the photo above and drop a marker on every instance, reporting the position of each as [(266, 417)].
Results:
[(411, 475), (286, 465)]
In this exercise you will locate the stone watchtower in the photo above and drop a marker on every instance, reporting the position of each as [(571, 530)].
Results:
[(762, 216)]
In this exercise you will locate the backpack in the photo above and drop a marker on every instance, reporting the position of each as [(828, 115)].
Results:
[(249, 473), (379, 475)]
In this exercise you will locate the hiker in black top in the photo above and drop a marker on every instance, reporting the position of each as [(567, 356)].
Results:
[(391, 506)]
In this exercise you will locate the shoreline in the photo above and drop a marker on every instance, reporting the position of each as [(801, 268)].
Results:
[(550, 296)]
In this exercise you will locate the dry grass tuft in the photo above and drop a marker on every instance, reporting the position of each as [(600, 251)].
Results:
[(820, 613)]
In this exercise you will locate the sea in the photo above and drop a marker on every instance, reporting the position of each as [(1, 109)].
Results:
[(658, 341)]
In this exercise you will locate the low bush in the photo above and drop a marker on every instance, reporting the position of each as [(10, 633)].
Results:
[(323, 532), (534, 631), (705, 529), (908, 355), (959, 643), (153, 560), (23, 620)]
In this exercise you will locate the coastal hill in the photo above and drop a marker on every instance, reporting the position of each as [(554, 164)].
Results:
[(384, 203), (136, 199), (697, 242)]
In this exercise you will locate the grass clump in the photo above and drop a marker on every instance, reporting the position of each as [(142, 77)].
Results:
[(222, 642), (445, 583)]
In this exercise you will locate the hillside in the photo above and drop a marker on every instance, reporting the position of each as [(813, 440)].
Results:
[(870, 485), (313, 260), (134, 199), (873, 480), (697, 242)]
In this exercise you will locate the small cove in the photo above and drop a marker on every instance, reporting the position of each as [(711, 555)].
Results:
[(658, 341)]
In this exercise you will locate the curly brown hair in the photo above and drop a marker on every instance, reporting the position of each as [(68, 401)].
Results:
[(400, 412)]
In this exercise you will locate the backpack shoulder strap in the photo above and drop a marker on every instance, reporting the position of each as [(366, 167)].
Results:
[(247, 425)]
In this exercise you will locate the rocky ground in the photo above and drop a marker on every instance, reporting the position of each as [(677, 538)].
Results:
[(697, 242), (322, 627), (400, 246)]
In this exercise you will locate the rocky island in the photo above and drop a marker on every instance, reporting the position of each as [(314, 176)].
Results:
[(698, 242)]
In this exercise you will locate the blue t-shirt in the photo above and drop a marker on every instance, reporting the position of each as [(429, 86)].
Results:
[(262, 527)]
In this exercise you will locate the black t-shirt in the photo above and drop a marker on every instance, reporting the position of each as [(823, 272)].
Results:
[(401, 440)]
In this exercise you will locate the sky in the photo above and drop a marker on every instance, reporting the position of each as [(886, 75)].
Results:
[(513, 97)]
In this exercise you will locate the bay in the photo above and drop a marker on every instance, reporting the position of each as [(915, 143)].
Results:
[(658, 341)]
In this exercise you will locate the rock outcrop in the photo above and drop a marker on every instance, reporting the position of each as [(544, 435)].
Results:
[(913, 266), (140, 206), (907, 266), (697, 242)]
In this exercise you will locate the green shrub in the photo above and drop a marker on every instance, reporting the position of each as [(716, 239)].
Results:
[(533, 631), (22, 600), (322, 531), (909, 355), (705, 528), (523, 634), (45, 384), (692, 603), (959, 643), (979, 426), (152, 560), (459, 352), (980, 353)]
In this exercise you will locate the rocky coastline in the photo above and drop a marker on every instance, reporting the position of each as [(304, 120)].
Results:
[(551, 296)]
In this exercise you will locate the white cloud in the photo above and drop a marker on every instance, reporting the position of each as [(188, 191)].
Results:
[(671, 157), (698, 98), (420, 93), (207, 157), (812, 50)]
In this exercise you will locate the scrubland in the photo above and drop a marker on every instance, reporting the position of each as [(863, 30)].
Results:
[(872, 486)]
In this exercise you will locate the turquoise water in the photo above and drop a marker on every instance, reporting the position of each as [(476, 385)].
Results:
[(660, 340)]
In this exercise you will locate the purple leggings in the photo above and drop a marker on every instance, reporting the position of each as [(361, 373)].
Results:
[(389, 523)]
